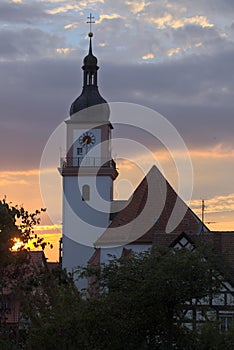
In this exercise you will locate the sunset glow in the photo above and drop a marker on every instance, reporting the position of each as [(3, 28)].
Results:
[(18, 244), (173, 57)]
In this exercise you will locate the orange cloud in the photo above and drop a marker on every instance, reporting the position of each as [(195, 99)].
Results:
[(219, 151), (71, 25), (148, 56), (216, 204), (137, 6), (46, 228), (64, 50), (63, 9), (173, 51), (168, 21), (112, 16)]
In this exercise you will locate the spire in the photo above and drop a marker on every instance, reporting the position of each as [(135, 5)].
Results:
[(90, 59), (90, 43), (90, 95), (90, 66)]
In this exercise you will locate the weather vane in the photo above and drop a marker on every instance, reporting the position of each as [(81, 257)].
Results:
[(90, 22)]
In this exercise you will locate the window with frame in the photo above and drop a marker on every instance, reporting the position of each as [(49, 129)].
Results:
[(79, 151), (226, 321), (5, 304), (85, 193)]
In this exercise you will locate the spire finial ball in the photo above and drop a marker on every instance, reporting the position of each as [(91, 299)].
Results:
[(90, 34)]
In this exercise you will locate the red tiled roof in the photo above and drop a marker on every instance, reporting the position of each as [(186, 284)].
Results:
[(150, 210)]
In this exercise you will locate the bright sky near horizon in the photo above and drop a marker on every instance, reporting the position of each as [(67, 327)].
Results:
[(175, 57)]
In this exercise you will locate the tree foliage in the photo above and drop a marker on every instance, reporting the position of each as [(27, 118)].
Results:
[(139, 300), (144, 298), (15, 223), (52, 306), (140, 305)]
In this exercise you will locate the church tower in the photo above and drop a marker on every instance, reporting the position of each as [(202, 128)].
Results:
[(88, 170)]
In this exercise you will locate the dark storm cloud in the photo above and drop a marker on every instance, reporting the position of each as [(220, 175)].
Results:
[(194, 93), (35, 97), (191, 34), (193, 80), (213, 6), (217, 6), (21, 12), (24, 43)]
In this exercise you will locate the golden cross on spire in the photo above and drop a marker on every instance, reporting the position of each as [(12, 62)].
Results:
[(90, 22)]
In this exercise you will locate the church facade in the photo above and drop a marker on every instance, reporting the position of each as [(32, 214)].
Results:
[(95, 225), (91, 217)]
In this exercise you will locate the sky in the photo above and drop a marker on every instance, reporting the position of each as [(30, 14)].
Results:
[(175, 57)]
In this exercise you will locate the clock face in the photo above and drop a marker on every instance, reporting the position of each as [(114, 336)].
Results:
[(87, 139)]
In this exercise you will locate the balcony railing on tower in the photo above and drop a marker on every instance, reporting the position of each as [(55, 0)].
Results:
[(76, 162)]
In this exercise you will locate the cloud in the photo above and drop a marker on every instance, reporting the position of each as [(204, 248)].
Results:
[(20, 12), (216, 204), (46, 228), (194, 93), (64, 50), (69, 7), (102, 44), (11, 174), (137, 6), (175, 57), (105, 17), (18, 182), (63, 9), (18, 173), (53, 1), (173, 51), (186, 83), (148, 56), (168, 21), (199, 40), (27, 43), (219, 151), (71, 25)]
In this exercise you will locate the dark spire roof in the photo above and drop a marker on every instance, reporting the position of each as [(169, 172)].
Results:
[(90, 95), (90, 59)]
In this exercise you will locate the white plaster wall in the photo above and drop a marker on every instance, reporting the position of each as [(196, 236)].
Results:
[(84, 222), (74, 255)]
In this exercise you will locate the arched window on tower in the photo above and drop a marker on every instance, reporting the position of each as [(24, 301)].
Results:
[(85, 193), (91, 79)]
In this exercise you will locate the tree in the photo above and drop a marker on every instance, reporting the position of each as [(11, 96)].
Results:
[(143, 298), (140, 305), (52, 305), (15, 223)]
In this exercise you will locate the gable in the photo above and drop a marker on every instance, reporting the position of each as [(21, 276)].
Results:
[(154, 207), (183, 241)]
